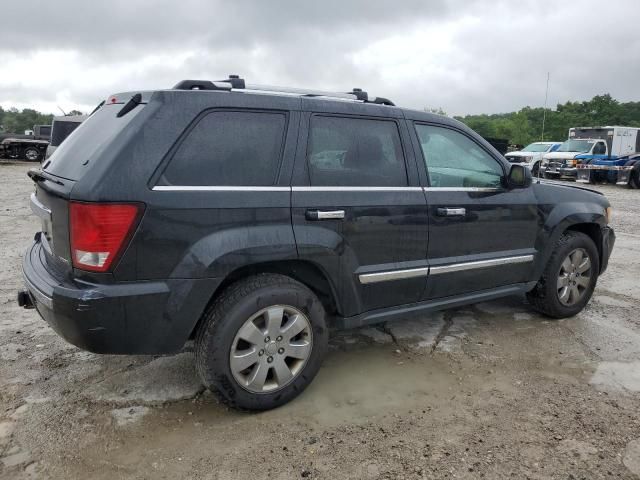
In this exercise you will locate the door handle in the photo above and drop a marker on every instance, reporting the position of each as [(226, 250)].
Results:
[(324, 214), (452, 212)]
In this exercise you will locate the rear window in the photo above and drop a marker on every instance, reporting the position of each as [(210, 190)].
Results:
[(73, 157), (62, 130), (228, 148)]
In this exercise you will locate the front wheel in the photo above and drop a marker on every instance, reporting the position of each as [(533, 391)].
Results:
[(262, 342), (569, 277), (535, 170), (634, 179)]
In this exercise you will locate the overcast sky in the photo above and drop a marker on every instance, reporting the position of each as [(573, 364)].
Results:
[(463, 56)]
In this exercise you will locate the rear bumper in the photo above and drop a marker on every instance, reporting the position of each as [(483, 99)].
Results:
[(149, 317), (608, 241)]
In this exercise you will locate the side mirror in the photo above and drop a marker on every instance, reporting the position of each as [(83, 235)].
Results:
[(519, 177)]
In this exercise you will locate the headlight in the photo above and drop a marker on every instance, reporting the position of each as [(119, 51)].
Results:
[(608, 214), (571, 163), (527, 159)]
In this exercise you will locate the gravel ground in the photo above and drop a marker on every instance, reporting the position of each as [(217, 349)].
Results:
[(488, 391)]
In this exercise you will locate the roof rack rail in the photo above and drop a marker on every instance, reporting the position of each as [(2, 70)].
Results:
[(234, 82)]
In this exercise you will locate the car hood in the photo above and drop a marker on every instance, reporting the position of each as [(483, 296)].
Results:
[(558, 184)]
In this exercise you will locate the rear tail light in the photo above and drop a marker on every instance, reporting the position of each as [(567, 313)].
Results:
[(100, 232)]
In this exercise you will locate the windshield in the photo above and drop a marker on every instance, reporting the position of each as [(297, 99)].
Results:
[(536, 147), (582, 146)]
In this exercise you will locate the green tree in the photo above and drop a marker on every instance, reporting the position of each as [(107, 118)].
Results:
[(525, 125)]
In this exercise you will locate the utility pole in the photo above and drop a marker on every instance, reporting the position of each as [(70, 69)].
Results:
[(544, 112)]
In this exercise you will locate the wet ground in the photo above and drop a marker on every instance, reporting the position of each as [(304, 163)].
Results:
[(488, 391)]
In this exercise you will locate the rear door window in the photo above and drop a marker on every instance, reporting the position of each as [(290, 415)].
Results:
[(229, 148), (355, 152)]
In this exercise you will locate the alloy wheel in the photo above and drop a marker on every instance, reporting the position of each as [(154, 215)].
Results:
[(271, 349), (574, 277)]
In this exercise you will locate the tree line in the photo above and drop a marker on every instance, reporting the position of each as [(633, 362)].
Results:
[(525, 125), (17, 121), (521, 127)]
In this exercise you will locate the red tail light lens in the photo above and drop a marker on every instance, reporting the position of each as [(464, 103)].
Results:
[(99, 232)]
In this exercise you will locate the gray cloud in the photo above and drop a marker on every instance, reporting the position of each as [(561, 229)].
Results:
[(466, 57)]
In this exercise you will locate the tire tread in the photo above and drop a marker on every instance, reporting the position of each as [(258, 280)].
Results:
[(216, 312)]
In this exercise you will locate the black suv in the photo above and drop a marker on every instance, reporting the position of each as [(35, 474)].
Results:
[(253, 218)]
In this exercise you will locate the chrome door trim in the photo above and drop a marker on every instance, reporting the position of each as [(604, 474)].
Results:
[(389, 275), (356, 189), (493, 262), (461, 189), (366, 278), (206, 188)]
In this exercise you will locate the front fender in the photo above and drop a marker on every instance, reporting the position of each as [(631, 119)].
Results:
[(561, 218)]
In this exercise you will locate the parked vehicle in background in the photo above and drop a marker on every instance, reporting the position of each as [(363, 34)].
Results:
[(31, 146), (61, 128), (254, 218), (588, 144), (621, 164), (500, 144), (562, 162), (531, 155)]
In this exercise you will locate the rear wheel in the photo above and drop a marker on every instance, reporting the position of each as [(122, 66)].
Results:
[(31, 154), (569, 278), (634, 179), (262, 342)]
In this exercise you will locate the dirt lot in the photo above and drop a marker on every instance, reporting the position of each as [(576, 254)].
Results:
[(488, 391)]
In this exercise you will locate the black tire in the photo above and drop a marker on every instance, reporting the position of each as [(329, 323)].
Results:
[(634, 179), (535, 169), (32, 154), (223, 320), (545, 296)]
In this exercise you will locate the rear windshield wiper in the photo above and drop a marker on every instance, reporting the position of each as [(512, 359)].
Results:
[(38, 176), (130, 105)]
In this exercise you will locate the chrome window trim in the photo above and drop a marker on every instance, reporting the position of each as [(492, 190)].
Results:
[(390, 275), (356, 189), (493, 262), (366, 278), (462, 189), (206, 188)]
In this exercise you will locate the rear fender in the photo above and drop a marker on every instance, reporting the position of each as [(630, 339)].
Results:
[(218, 254)]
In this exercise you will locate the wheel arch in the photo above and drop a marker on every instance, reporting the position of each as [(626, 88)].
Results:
[(591, 230), (305, 272), (585, 218)]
